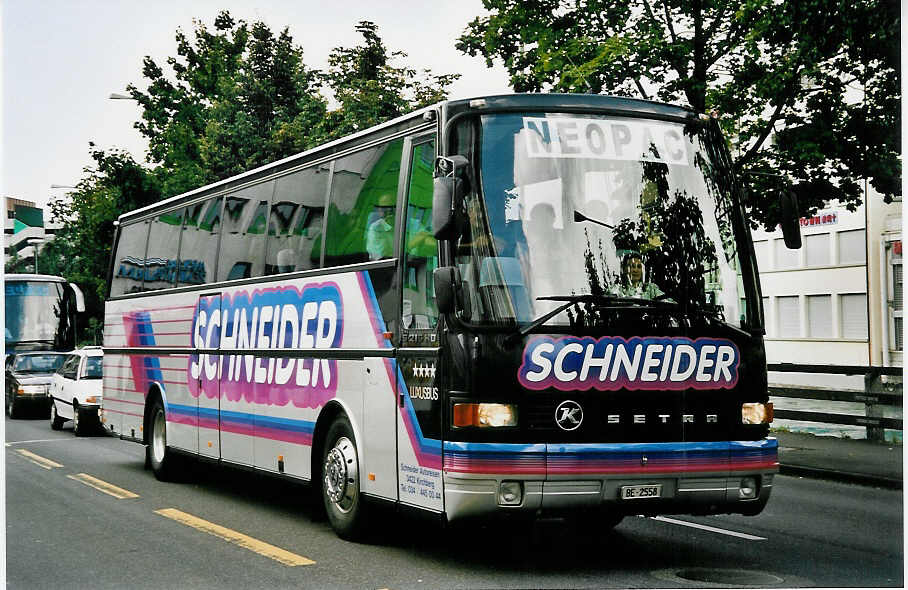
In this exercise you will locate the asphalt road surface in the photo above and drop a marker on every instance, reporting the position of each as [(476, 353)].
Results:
[(84, 513)]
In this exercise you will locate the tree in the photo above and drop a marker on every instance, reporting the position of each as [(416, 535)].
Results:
[(370, 89), (237, 98), (808, 91), (80, 250)]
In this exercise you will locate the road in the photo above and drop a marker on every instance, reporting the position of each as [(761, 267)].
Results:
[(221, 528)]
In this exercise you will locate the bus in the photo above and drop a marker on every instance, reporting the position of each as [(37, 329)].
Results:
[(40, 312), (515, 305)]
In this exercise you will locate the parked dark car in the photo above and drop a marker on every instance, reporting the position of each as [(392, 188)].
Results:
[(28, 375)]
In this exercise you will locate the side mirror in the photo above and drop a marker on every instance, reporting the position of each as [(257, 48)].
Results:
[(450, 296), (791, 224), (447, 283), (447, 196)]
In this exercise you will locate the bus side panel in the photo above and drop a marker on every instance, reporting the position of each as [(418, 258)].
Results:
[(379, 449), (419, 456)]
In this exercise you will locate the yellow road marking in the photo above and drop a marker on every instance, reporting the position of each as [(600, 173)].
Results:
[(38, 459), (276, 553), (103, 486)]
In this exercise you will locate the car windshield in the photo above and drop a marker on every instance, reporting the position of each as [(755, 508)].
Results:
[(38, 363), (93, 367), (607, 210)]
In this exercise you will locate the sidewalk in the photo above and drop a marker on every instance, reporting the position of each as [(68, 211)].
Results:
[(856, 461)]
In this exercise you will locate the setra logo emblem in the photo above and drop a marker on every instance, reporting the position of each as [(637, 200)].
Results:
[(568, 415)]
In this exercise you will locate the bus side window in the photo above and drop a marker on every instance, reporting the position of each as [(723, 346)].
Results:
[(295, 226), (420, 247), (362, 207), (161, 256), (245, 220), (199, 242), (128, 263)]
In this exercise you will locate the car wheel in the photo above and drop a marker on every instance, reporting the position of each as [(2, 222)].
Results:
[(158, 455), (340, 482), (78, 423), (13, 411), (56, 422)]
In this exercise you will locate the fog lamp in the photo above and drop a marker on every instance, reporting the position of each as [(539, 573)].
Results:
[(484, 415), (748, 489), (752, 413), (510, 493)]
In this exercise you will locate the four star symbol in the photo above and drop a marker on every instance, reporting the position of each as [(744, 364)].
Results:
[(424, 370)]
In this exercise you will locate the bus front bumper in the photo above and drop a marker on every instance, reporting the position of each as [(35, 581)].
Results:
[(650, 479)]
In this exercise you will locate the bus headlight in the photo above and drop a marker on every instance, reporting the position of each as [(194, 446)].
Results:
[(752, 413), (484, 415)]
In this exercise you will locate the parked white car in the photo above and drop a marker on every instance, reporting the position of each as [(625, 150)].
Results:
[(75, 390)]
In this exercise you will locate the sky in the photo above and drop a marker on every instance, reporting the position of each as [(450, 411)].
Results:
[(61, 60)]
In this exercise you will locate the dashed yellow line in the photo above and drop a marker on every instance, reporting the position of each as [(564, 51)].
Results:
[(38, 459), (103, 486), (270, 551)]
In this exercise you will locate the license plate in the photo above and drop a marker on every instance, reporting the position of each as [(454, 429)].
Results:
[(639, 492)]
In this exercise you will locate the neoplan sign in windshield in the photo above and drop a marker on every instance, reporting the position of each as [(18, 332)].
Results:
[(605, 139)]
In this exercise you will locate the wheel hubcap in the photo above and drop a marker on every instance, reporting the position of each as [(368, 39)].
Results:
[(341, 481), (158, 437)]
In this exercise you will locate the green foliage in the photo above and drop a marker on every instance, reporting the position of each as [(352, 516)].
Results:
[(822, 74), (231, 99)]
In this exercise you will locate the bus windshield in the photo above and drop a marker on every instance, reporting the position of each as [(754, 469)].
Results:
[(605, 211), (33, 314)]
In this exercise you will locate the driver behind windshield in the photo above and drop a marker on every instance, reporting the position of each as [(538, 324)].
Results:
[(632, 282)]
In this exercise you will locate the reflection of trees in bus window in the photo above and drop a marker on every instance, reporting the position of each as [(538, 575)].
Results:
[(242, 251), (362, 208), (199, 243), (212, 219), (128, 267), (161, 257), (419, 310), (295, 227)]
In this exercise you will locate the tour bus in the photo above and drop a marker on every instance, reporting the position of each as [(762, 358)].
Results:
[(40, 312), (515, 305)]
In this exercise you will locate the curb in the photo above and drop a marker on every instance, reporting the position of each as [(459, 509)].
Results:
[(880, 481)]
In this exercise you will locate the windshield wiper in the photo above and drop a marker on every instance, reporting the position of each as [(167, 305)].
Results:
[(608, 300), (38, 340)]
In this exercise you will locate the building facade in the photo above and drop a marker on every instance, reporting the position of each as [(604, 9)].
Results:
[(838, 300)]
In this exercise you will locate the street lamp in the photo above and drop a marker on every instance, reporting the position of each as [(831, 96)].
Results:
[(61, 186), (118, 96), (33, 242)]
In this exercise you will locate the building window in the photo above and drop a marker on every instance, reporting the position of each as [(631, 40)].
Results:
[(853, 315), (851, 247), (788, 314), (786, 258), (819, 316), (816, 247)]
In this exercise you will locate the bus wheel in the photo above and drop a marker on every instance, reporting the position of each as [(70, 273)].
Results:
[(340, 481), (157, 454), (56, 422)]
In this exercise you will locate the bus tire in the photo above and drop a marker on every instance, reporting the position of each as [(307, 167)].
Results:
[(56, 422), (157, 454), (341, 482)]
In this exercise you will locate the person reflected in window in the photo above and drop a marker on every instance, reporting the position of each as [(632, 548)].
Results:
[(380, 234), (633, 281)]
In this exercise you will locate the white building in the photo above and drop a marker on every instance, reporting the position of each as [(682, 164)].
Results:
[(837, 300)]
